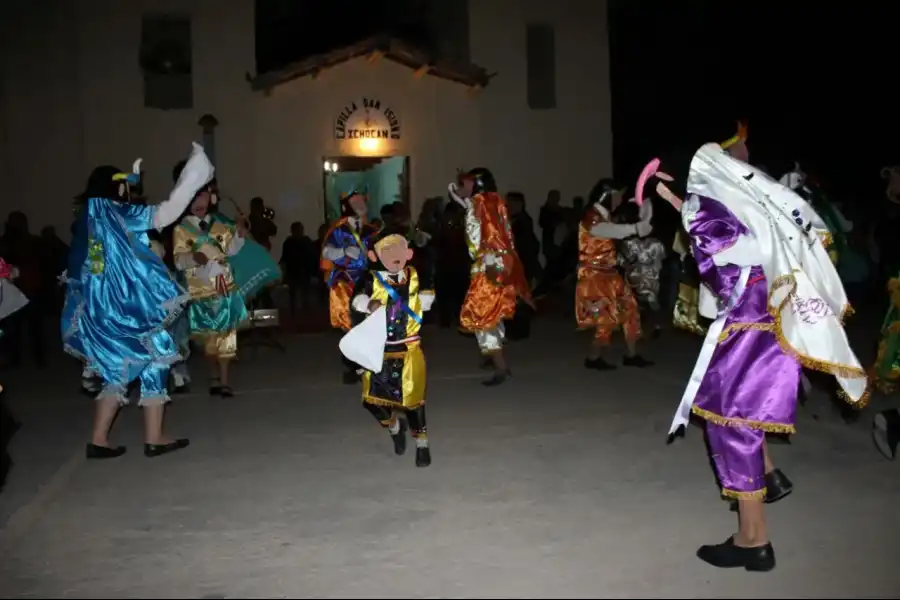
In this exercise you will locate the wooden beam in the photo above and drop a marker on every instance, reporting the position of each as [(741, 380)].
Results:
[(421, 71)]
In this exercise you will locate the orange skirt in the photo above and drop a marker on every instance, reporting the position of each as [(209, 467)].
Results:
[(339, 304), (602, 299), (487, 304)]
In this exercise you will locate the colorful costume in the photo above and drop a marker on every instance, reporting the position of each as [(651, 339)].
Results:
[(886, 372), (603, 302), (343, 263), (398, 386), (497, 277), (687, 305), (181, 377), (837, 225), (217, 306), (121, 298), (777, 303)]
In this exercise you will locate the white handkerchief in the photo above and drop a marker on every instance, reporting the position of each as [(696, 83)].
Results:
[(11, 298), (210, 270), (364, 344)]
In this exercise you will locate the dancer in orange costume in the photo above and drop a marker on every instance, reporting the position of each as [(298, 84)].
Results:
[(602, 299), (497, 277)]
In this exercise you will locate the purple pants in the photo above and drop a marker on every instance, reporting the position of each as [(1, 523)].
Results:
[(737, 453)]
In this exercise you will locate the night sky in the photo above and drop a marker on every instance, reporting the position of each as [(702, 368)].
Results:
[(812, 79)]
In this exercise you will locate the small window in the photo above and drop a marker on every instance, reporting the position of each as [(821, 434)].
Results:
[(540, 56), (166, 62)]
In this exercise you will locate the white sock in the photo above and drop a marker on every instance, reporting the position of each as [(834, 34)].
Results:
[(421, 442), (395, 428)]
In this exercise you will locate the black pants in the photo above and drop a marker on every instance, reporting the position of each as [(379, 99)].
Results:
[(299, 287), (386, 415)]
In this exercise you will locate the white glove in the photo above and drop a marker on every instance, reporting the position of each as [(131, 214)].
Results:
[(352, 252), (237, 242), (427, 300), (644, 228)]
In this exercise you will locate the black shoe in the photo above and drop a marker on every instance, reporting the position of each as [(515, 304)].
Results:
[(886, 433), (636, 361), (399, 439), (152, 450), (423, 456), (598, 364), (94, 451), (777, 487), (215, 387), (729, 556), (180, 389), (351, 377), (497, 378), (226, 392)]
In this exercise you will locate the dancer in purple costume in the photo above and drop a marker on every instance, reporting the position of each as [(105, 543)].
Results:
[(777, 303)]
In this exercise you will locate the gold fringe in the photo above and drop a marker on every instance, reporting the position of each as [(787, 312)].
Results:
[(737, 422), (827, 239), (743, 327), (846, 312), (824, 366), (754, 495)]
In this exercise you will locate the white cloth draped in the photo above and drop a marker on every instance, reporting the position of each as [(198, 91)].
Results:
[(805, 292)]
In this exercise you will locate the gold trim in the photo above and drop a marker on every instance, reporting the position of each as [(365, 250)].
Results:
[(824, 366), (754, 495), (738, 422), (744, 327)]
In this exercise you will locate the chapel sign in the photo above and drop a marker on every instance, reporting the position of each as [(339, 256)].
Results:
[(366, 119)]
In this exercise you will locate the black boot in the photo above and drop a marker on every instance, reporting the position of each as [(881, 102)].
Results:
[(886, 433), (729, 556), (486, 364), (636, 361), (399, 439), (423, 456), (598, 364)]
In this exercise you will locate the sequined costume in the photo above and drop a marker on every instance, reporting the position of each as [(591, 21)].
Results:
[(603, 302), (121, 299), (343, 263), (217, 308), (490, 299), (886, 372), (776, 300)]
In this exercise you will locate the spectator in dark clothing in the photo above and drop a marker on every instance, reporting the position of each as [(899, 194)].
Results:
[(318, 244), (548, 220), (54, 262), (453, 264), (262, 227), (528, 249), (299, 264), (23, 250), (666, 223)]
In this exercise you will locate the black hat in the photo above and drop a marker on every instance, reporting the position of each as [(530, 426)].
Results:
[(603, 189), (484, 180), (100, 184)]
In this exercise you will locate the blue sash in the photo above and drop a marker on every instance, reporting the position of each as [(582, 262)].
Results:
[(392, 293)]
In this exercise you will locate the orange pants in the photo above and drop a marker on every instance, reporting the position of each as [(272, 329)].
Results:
[(604, 302)]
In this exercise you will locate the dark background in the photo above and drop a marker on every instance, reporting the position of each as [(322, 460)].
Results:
[(813, 80)]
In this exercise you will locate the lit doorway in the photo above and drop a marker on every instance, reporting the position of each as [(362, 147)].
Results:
[(383, 179)]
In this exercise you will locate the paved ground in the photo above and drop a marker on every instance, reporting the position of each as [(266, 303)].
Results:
[(556, 485)]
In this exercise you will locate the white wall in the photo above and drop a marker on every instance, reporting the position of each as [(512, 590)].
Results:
[(74, 100)]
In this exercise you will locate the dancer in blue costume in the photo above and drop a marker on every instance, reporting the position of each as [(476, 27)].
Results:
[(121, 299), (344, 261)]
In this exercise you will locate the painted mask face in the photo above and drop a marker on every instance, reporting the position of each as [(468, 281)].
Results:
[(393, 252)]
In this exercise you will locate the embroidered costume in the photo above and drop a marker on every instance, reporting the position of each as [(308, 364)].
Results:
[(777, 303), (121, 298), (886, 372), (497, 277), (343, 262), (603, 302), (394, 290), (838, 227)]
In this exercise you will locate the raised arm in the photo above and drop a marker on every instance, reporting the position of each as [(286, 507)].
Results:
[(197, 172)]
